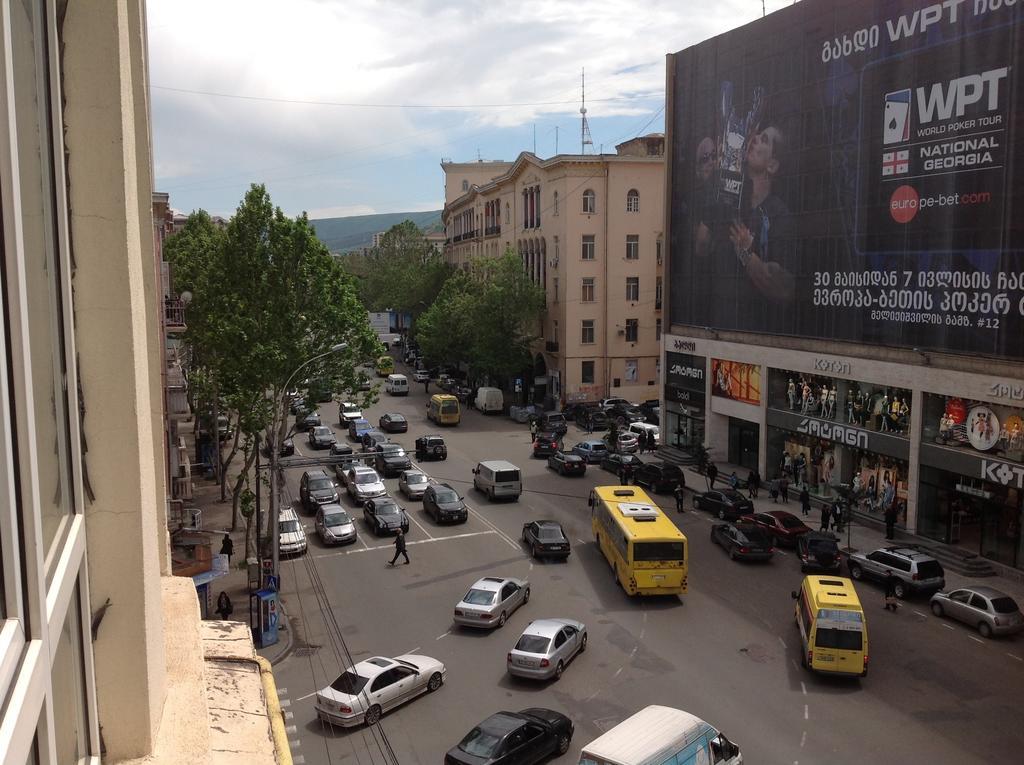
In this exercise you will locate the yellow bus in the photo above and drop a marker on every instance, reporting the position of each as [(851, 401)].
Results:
[(644, 548), (385, 366), (833, 630), (444, 409)]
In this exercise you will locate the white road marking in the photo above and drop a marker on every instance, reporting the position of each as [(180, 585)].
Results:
[(1014, 656), (415, 542), (446, 634), (592, 696), (794, 664), (642, 630), (511, 542), (303, 698), (923, 616), (581, 541), (948, 627), (617, 672), (803, 687), (781, 552), (783, 643), (645, 615), (419, 525), (976, 639), (414, 650), (807, 713), (803, 739), (633, 652)]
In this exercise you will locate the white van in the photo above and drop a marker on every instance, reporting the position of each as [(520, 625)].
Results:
[(489, 400), (293, 537), (638, 428), (497, 478), (397, 385), (661, 734)]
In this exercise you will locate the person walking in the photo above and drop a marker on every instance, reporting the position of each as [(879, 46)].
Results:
[(399, 549), (891, 603), (750, 485), (784, 489), (890, 521), (773, 490), (641, 443), (652, 442), (623, 475), (680, 492), (533, 429), (426, 387), (837, 516), (227, 547), (826, 516), (757, 482), (734, 481), (712, 474), (224, 606), (805, 500)]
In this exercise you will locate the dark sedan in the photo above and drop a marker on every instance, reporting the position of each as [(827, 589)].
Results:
[(514, 738), (659, 477), (307, 421), (819, 551), (746, 541), (321, 437), (391, 460), (546, 538), (729, 505), (624, 414), (567, 464), (384, 516), (785, 528), (392, 422), (592, 419), (546, 443), (613, 462), (442, 503)]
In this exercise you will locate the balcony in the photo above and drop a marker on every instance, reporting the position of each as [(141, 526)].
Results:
[(174, 315), (551, 346), (492, 231)]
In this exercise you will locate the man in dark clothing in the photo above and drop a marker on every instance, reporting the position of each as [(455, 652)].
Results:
[(837, 516), (399, 549), (891, 582), (227, 547), (805, 500), (712, 474), (426, 386), (680, 492), (652, 442), (224, 606), (624, 475), (784, 488), (826, 516), (890, 521)]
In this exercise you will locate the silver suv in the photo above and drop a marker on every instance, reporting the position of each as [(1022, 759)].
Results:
[(916, 571)]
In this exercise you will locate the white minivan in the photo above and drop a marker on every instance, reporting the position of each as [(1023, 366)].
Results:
[(497, 478), (489, 400), (397, 385)]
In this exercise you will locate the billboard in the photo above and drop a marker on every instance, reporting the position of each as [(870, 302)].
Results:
[(736, 380), (844, 169)]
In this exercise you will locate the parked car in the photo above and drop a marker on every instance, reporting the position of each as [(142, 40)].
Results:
[(491, 600), (546, 444), (746, 541), (442, 503), (334, 526), (514, 738), (546, 647), (339, 449), (592, 419), (362, 693), (321, 437), (625, 443), (431, 447), (287, 448), (374, 438), (391, 460), (412, 483), (550, 422), (818, 551), (987, 609), (624, 414), (592, 450), (659, 477), (652, 411), (357, 428), (916, 571), (607, 403), (348, 411), (645, 428), (316, 488), (613, 462), (421, 376), (728, 504), (363, 483), (299, 404), (292, 537), (307, 421), (393, 422), (546, 538), (567, 463), (785, 528), (384, 516)]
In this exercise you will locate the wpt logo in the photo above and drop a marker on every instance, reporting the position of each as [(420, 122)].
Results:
[(944, 100), (838, 433), (1003, 473)]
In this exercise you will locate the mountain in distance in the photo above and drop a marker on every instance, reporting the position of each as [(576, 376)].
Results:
[(356, 231)]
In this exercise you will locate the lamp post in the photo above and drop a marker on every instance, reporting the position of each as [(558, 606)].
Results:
[(277, 434)]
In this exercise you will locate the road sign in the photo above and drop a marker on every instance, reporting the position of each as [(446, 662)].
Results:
[(273, 582)]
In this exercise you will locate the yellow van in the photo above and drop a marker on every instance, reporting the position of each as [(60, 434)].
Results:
[(833, 629), (444, 409), (385, 366)]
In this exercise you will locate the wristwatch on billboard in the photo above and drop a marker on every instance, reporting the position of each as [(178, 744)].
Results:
[(744, 256)]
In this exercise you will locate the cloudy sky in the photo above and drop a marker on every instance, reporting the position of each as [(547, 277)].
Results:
[(347, 107)]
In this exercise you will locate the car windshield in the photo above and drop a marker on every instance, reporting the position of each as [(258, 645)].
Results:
[(394, 451), (396, 418), (290, 527), (480, 743), (1004, 605), (387, 508), (479, 597), (349, 683), (446, 495), (657, 551), (362, 478), (735, 496), (349, 408), (415, 478), (336, 519), (320, 484), (533, 644), (555, 419), (754, 535), (791, 522), (929, 569), (551, 534), (323, 430), (597, 447)]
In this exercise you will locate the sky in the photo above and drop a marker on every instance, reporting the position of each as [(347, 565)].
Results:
[(348, 107)]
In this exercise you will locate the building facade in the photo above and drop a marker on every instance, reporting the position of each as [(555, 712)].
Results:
[(588, 228)]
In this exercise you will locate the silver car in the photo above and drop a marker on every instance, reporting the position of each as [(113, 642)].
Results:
[(361, 694), (490, 601), (412, 483), (987, 609), (546, 647), (592, 450), (334, 526), (363, 483)]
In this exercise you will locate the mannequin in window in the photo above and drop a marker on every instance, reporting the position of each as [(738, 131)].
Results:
[(832, 402), (881, 411), (805, 399), (791, 394), (823, 401)]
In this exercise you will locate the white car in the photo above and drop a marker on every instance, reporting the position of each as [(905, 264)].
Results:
[(347, 412), (637, 428), (546, 647), (364, 483), (626, 443), (421, 375), (491, 600), (361, 694)]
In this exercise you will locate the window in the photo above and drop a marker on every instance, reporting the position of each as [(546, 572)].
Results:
[(554, 287), (632, 247), (588, 247), (632, 330), (587, 333), (589, 202), (508, 212), (588, 290), (657, 329), (633, 288), (632, 370), (554, 206), (657, 292), (633, 201), (587, 373), (657, 251)]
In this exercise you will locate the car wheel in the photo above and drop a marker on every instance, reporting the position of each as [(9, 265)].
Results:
[(721, 513), (900, 590), (372, 715), (984, 630), (502, 619), (583, 643), (563, 743), (937, 608), (696, 503), (559, 669), (856, 572), (435, 682)]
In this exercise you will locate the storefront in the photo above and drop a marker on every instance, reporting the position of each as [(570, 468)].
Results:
[(736, 408), (685, 400)]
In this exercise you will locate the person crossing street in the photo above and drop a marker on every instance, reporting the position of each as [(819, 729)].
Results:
[(399, 549)]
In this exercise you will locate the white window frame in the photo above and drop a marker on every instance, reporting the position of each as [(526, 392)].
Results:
[(588, 284), (589, 202), (633, 289), (633, 201), (632, 247), (591, 240), (588, 325)]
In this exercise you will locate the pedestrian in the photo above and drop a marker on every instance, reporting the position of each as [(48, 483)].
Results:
[(590, 423), (773, 490), (224, 606), (757, 482), (712, 474), (399, 549), (641, 443), (227, 547), (837, 516), (533, 428), (680, 492), (890, 521), (784, 488), (426, 387), (826, 515), (652, 441), (891, 582), (750, 485), (734, 481), (624, 475), (805, 500)]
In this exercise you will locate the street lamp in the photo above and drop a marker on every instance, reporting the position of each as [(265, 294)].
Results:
[(277, 436)]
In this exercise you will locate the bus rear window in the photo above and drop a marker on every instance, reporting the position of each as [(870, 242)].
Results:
[(658, 551), (842, 640), (449, 407), (505, 476)]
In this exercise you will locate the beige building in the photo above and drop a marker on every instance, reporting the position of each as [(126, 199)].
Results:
[(589, 230)]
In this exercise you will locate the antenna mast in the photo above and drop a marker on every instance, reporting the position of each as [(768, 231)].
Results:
[(584, 128)]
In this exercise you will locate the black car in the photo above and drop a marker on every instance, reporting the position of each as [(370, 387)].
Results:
[(625, 414), (592, 419), (551, 422), (651, 410), (546, 443), (659, 477), (442, 503), (514, 738), (613, 462), (321, 437), (431, 448), (307, 420), (546, 538), (391, 459), (747, 541), (567, 464), (818, 551), (372, 438), (728, 505), (392, 422), (384, 516), (316, 488), (339, 449), (572, 411)]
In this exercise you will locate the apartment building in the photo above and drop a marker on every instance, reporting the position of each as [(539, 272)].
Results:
[(589, 231)]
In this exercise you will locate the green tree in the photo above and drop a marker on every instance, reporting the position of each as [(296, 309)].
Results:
[(446, 330)]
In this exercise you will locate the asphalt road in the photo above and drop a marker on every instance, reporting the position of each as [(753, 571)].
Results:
[(728, 651)]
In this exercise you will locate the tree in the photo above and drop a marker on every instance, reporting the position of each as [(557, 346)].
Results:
[(445, 331)]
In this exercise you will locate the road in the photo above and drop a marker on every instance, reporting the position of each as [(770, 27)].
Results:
[(728, 651)]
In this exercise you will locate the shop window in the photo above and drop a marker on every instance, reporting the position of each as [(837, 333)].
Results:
[(977, 425)]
